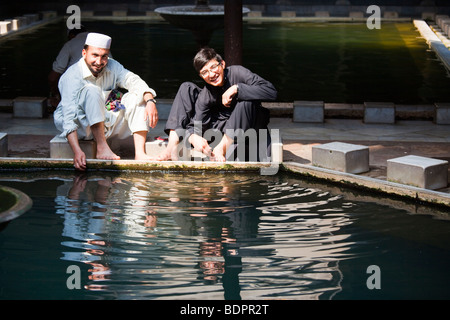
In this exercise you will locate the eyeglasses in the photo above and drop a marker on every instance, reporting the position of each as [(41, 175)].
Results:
[(213, 68)]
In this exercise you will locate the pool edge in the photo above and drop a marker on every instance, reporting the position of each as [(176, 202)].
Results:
[(420, 195)]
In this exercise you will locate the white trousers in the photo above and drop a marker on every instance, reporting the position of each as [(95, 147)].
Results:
[(119, 125)]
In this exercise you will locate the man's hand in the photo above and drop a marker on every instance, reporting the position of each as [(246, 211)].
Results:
[(228, 95), (151, 114), (200, 144), (79, 158)]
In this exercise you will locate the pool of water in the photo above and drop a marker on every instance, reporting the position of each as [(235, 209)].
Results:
[(169, 235), (331, 62)]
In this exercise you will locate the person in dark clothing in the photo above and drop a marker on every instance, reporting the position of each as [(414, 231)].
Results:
[(230, 101)]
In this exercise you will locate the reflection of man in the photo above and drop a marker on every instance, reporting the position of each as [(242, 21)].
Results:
[(86, 88), (230, 101)]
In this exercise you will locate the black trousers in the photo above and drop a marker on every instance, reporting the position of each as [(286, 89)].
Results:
[(244, 116)]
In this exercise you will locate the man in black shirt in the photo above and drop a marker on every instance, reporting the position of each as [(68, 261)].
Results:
[(229, 102)]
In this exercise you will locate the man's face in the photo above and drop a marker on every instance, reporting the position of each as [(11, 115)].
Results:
[(96, 59), (213, 73)]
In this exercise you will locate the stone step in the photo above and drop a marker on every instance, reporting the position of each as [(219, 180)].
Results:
[(339, 156), (3, 144), (60, 148), (422, 172)]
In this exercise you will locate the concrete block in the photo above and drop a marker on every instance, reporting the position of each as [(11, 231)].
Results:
[(47, 15), (443, 23), (439, 17), (288, 14), (322, 14), (254, 14), (119, 13), (151, 14), (5, 27), (444, 26), (60, 148), (442, 113), (155, 147), (32, 17), (422, 172), (87, 13), (428, 15), (21, 22), (339, 156), (390, 15), (356, 14), (3, 144), (15, 24), (379, 112), (308, 111), (29, 107)]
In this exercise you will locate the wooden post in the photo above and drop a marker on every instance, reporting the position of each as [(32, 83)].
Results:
[(233, 32)]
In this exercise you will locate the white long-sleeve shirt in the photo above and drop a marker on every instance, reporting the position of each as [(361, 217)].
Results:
[(113, 76)]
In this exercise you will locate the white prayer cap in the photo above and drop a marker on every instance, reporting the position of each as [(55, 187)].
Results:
[(98, 40)]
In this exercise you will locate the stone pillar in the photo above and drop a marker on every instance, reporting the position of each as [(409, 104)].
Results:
[(233, 32)]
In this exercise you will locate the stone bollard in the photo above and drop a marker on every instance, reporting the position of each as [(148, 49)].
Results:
[(379, 112), (422, 172), (339, 156), (308, 111), (29, 107)]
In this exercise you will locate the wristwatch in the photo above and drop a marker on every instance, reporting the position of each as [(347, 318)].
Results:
[(152, 100)]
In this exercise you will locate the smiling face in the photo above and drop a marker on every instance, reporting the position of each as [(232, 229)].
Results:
[(213, 73), (96, 59)]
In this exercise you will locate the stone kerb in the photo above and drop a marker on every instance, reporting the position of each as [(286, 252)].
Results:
[(422, 172), (343, 157)]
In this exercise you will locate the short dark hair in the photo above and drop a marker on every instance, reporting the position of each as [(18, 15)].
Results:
[(204, 56)]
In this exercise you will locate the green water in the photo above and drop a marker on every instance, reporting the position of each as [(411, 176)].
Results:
[(332, 62), (200, 236)]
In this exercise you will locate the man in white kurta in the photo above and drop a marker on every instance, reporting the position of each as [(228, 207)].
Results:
[(81, 114)]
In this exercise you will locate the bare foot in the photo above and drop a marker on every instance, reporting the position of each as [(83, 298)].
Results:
[(144, 156), (107, 155)]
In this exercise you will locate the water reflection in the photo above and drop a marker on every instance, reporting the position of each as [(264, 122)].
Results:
[(168, 235), (204, 236)]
